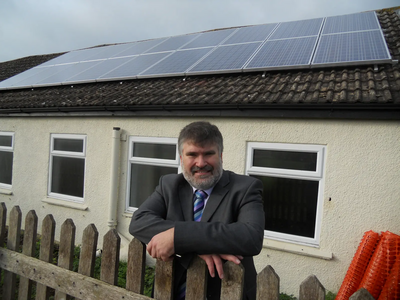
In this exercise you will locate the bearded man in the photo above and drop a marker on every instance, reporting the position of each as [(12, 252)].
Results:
[(205, 211)]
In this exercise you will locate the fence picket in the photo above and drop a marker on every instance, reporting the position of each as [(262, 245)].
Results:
[(66, 252), (13, 243), (361, 294), (110, 257), (3, 229), (196, 282), (268, 284), (136, 267), (233, 282), (87, 259), (163, 280), (312, 289), (46, 252), (28, 249)]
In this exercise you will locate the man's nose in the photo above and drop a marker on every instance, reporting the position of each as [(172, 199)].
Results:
[(201, 162)]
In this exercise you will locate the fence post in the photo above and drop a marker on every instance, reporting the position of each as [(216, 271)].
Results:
[(268, 284), (136, 267), (110, 257), (196, 281), (361, 294), (311, 289), (233, 281), (13, 243), (28, 249), (163, 280), (46, 252), (66, 251), (87, 258)]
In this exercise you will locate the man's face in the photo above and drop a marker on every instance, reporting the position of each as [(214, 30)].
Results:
[(201, 165)]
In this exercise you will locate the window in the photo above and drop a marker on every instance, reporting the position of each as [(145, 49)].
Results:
[(6, 159), (292, 175), (149, 159), (67, 167)]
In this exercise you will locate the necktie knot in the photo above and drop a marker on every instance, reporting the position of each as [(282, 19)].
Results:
[(199, 198)]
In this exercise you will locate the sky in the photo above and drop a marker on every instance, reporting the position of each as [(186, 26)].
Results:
[(33, 27)]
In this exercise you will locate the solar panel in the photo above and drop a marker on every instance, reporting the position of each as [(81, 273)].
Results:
[(352, 22), (294, 53), (208, 39), (134, 66), (173, 43), (13, 81), (297, 29), (351, 47), (225, 58), (177, 63), (140, 47), (251, 34), (110, 51), (93, 73)]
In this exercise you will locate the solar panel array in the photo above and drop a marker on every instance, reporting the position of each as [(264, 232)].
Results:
[(348, 39)]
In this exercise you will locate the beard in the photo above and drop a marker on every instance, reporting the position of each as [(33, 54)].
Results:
[(204, 182)]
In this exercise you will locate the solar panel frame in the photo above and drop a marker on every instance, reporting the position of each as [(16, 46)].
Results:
[(225, 58), (175, 60), (283, 54), (141, 47), (210, 39), (173, 43)]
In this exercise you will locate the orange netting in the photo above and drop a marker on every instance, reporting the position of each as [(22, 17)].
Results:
[(358, 265), (381, 264), (391, 289)]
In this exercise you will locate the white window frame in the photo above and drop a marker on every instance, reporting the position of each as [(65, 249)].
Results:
[(317, 175), (70, 154), (7, 149), (174, 163)]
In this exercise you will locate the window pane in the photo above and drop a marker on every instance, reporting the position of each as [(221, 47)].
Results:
[(290, 205), (5, 140), (304, 161), (144, 180), (68, 176), (6, 161), (162, 151), (68, 145)]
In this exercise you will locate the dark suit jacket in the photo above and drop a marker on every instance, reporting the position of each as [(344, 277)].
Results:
[(232, 223)]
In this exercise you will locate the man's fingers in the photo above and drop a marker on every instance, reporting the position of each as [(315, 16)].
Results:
[(218, 265), (233, 258)]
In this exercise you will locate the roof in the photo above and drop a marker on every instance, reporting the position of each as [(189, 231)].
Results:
[(341, 92)]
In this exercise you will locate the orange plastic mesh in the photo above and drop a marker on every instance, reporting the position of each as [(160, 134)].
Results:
[(381, 263), (358, 265), (391, 289)]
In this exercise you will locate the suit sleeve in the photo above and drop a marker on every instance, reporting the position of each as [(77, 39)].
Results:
[(244, 236), (150, 218)]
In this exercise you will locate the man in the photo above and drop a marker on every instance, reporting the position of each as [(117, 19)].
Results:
[(232, 220)]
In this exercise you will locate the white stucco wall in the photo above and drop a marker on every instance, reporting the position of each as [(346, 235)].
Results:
[(361, 180)]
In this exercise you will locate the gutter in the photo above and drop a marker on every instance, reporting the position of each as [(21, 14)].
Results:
[(301, 110)]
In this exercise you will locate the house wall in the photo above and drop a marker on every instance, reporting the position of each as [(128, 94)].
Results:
[(361, 188)]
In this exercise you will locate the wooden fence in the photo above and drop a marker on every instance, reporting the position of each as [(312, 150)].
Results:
[(66, 284)]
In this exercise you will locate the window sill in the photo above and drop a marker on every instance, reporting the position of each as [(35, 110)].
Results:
[(68, 204), (5, 192), (297, 249)]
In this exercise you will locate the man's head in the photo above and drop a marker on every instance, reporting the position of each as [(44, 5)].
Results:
[(200, 149)]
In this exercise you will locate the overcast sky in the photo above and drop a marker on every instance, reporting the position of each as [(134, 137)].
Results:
[(31, 27)]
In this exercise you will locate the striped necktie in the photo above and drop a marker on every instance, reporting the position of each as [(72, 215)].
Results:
[(199, 198)]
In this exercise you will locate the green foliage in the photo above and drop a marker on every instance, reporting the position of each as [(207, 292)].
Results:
[(330, 296), (283, 296), (148, 281)]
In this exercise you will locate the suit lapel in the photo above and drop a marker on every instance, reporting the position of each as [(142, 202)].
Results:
[(217, 195), (185, 198)]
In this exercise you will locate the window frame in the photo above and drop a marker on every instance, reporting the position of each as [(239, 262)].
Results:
[(69, 154), (317, 175), (8, 149), (174, 163)]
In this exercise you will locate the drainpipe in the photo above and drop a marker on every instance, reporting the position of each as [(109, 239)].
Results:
[(113, 205)]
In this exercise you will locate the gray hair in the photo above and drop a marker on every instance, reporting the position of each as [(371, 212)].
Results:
[(201, 133)]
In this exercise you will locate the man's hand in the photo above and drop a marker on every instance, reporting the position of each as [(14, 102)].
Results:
[(161, 245), (216, 260)]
